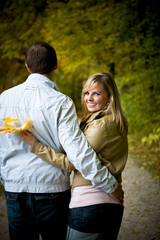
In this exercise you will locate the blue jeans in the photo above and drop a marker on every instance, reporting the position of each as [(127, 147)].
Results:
[(32, 214), (100, 221)]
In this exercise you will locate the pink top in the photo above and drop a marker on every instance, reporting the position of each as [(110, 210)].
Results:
[(89, 195)]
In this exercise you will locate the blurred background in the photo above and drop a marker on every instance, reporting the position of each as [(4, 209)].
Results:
[(121, 37)]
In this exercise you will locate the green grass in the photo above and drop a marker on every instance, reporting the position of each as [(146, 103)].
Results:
[(1, 189), (145, 156)]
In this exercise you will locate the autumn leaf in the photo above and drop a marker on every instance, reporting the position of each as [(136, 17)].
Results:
[(7, 128)]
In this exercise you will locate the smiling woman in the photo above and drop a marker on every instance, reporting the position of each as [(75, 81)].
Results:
[(96, 97), (100, 91), (105, 128)]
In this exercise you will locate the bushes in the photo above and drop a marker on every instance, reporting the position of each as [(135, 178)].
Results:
[(146, 156)]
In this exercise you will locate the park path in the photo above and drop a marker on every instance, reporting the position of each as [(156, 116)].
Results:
[(141, 219)]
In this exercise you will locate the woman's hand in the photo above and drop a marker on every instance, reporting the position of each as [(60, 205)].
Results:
[(118, 194), (27, 137)]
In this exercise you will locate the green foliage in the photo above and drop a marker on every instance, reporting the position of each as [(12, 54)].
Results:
[(146, 157), (20, 25), (153, 139), (1, 189), (121, 37), (19, 18)]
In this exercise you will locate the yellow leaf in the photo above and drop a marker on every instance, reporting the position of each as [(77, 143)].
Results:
[(7, 128), (7, 120)]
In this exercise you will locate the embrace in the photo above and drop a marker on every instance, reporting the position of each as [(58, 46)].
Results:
[(35, 166)]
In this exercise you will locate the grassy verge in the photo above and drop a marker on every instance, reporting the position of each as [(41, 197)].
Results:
[(1, 189), (146, 157)]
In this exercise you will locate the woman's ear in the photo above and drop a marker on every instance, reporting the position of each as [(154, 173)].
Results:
[(28, 68)]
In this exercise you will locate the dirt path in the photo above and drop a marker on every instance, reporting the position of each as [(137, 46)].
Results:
[(141, 219), (3, 220)]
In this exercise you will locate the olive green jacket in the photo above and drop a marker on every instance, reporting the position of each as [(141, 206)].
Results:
[(103, 136)]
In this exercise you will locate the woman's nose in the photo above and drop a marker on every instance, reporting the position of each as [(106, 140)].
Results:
[(90, 97)]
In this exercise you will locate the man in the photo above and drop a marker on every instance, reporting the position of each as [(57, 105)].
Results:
[(37, 193)]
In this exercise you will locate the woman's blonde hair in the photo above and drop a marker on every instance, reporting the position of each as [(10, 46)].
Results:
[(114, 105)]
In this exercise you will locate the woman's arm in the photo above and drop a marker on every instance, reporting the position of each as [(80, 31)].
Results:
[(48, 154), (57, 159)]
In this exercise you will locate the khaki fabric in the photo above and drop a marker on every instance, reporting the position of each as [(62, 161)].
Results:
[(103, 136)]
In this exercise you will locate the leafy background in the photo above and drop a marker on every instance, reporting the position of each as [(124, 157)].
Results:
[(121, 37)]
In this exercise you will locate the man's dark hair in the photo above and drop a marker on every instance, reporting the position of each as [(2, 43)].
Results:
[(41, 58)]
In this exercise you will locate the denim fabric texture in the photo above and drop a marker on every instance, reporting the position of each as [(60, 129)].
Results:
[(30, 214), (73, 234), (101, 218)]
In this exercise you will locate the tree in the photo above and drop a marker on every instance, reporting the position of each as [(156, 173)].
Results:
[(117, 36), (20, 26)]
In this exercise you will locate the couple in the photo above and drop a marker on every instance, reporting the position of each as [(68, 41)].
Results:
[(38, 193)]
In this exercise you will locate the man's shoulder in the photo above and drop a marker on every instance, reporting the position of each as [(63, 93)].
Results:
[(52, 95), (12, 89)]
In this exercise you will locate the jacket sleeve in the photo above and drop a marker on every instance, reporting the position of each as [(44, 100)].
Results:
[(110, 146), (52, 156), (79, 152)]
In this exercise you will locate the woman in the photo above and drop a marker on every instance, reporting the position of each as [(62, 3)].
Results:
[(94, 214)]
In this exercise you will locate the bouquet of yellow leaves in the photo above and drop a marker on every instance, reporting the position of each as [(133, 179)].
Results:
[(7, 128)]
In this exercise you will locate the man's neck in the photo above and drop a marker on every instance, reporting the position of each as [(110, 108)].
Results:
[(48, 75)]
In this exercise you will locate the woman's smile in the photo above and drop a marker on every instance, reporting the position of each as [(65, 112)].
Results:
[(96, 98)]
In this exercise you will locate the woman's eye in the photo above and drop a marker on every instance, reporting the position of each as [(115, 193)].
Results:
[(97, 94), (86, 93)]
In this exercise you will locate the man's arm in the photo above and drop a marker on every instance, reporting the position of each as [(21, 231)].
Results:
[(80, 152), (61, 160)]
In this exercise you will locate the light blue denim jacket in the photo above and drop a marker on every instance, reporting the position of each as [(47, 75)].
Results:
[(55, 124)]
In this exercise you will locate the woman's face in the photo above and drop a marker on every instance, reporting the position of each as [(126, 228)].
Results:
[(96, 97)]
